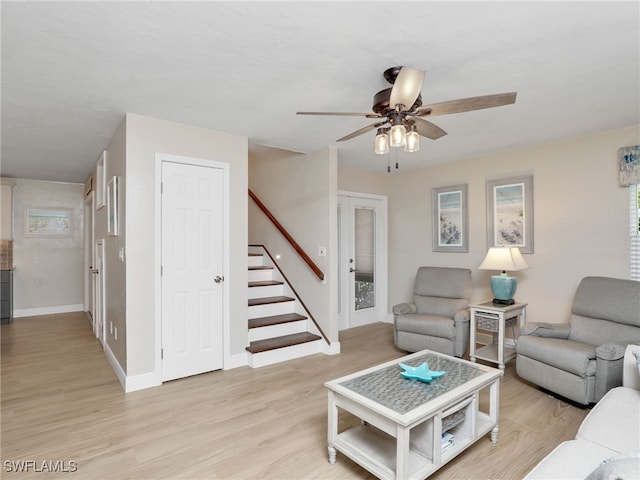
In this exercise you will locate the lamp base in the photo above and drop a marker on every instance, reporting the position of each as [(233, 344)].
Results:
[(497, 301), (503, 288)]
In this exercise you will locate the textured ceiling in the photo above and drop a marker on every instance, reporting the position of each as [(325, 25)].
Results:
[(71, 70)]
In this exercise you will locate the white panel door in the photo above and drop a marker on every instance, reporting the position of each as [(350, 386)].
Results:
[(192, 269), (362, 261)]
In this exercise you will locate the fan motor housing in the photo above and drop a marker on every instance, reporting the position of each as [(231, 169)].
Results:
[(381, 102)]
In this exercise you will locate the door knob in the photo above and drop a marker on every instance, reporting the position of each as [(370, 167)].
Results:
[(218, 279), (351, 270)]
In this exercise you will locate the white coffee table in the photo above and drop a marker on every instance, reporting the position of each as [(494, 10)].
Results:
[(402, 420)]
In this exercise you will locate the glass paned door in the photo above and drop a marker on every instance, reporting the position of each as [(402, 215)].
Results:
[(362, 260), (364, 253)]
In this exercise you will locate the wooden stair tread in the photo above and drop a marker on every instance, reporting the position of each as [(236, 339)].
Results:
[(256, 255), (269, 300), (281, 342), (265, 283), (275, 320), (260, 267)]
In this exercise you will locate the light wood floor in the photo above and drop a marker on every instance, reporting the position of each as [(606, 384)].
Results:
[(61, 401)]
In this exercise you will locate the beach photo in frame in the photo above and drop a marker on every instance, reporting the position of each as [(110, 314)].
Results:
[(450, 219), (112, 207), (510, 213), (47, 222)]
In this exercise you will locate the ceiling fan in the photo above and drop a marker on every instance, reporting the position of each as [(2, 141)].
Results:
[(400, 111)]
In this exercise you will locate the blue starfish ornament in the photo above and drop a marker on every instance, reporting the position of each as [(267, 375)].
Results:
[(420, 372)]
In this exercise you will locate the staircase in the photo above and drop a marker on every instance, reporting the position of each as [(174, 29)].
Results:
[(279, 326)]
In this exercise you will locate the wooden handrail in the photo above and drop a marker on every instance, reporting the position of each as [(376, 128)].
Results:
[(286, 235)]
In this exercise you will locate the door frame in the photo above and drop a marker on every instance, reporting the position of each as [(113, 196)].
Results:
[(226, 251), (100, 288), (382, 290), (89, 245)]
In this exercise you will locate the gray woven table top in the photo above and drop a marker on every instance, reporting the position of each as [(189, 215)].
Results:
[(387, 387)]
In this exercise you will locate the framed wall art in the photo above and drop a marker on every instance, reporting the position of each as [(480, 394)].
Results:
[(112, 206), (450, 219), (101, 180), (510, 213), (47, 222)]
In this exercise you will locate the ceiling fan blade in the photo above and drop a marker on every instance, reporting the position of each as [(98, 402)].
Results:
[(467, 104), (406, 88), (361, 131), (428, 129), (341, 114)]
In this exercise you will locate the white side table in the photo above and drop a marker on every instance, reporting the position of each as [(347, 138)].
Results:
[(494, 318)]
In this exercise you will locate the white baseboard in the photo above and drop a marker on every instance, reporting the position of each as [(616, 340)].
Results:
[(122, 377), (133, 382), (235, 361), (32, 312), (142, 381), (333, 349)]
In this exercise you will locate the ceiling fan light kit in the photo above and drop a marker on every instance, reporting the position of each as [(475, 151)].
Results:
[(412, 140), (401, 107), (381, 143), (397, 135)]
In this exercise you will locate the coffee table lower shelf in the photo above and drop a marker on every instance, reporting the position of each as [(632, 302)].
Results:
[(376, 451)]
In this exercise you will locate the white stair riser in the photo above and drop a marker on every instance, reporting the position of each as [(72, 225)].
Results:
[(270, 291), (270, 309), (256, 261), (260, 275), (283, 354), (280, 330)]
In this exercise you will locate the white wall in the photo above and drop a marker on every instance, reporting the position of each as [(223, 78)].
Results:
[(40, 261), (145, 137), (580, 218), (301, 192)]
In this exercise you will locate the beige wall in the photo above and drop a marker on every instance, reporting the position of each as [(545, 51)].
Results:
[(40, 261), (6, 207), (301, 192), (114, 268), (145, 137), (580, 218)]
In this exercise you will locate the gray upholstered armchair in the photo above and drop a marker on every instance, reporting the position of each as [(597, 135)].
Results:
[(582, 360), (438, 318)]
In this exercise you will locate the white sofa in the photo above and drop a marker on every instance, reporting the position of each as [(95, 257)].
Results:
[(607, 445)]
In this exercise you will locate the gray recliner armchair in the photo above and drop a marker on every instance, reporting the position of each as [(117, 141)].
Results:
[(438, 318), (582, 360)]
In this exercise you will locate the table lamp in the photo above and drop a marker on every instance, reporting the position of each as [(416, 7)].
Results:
[(503, 286)]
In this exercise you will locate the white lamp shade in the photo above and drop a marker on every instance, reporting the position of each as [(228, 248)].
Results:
[(504, 259)]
